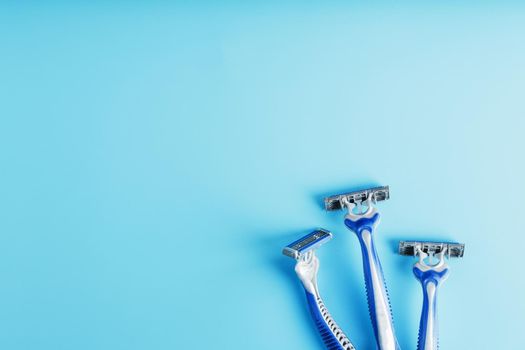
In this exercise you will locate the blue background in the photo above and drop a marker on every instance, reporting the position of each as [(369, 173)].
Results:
[(156, 157)]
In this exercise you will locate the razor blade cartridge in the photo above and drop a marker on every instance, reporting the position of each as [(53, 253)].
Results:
[(453, 250), (307, 243), (337, 202)]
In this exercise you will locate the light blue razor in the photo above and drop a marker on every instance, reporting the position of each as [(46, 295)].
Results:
[(307, 266), (363, 223), (431, 271)]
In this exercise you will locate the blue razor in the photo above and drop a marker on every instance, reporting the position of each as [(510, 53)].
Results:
[(431, 271), (303, 251), (362, 218)]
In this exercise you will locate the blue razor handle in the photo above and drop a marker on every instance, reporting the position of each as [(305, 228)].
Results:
[(430, 277), (333, 337), (363, 225), (431, 270), (331, 334)]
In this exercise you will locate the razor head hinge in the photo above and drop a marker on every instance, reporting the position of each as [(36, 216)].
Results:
[(453, 250), (377, 193), (303, 245)]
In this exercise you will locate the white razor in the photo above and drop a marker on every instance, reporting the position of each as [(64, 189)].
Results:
[(307, 266)]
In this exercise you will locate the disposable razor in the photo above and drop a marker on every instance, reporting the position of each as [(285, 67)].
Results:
[(431, 271), (303, 251), (362, 218)]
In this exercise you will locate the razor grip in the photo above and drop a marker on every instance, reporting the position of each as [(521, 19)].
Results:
[(428, 338), (332, 336), (376, 291)]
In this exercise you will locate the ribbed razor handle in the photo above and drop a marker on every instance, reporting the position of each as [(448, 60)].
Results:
[(428, 327), (376, 291), (333, 337)]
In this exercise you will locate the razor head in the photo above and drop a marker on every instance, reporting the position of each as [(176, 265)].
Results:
[(336, 202), (454, 250), (307, 243)]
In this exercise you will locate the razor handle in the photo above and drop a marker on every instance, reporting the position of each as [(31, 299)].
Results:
[(376, 292), (430, 280), (333, 337)]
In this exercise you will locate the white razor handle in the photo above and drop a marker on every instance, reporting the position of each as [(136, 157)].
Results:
[(363, 225), (430, 277), (333, 337)]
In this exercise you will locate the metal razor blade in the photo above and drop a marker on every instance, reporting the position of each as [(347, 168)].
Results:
[(337, 202), (307, 243), (453, 250)]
